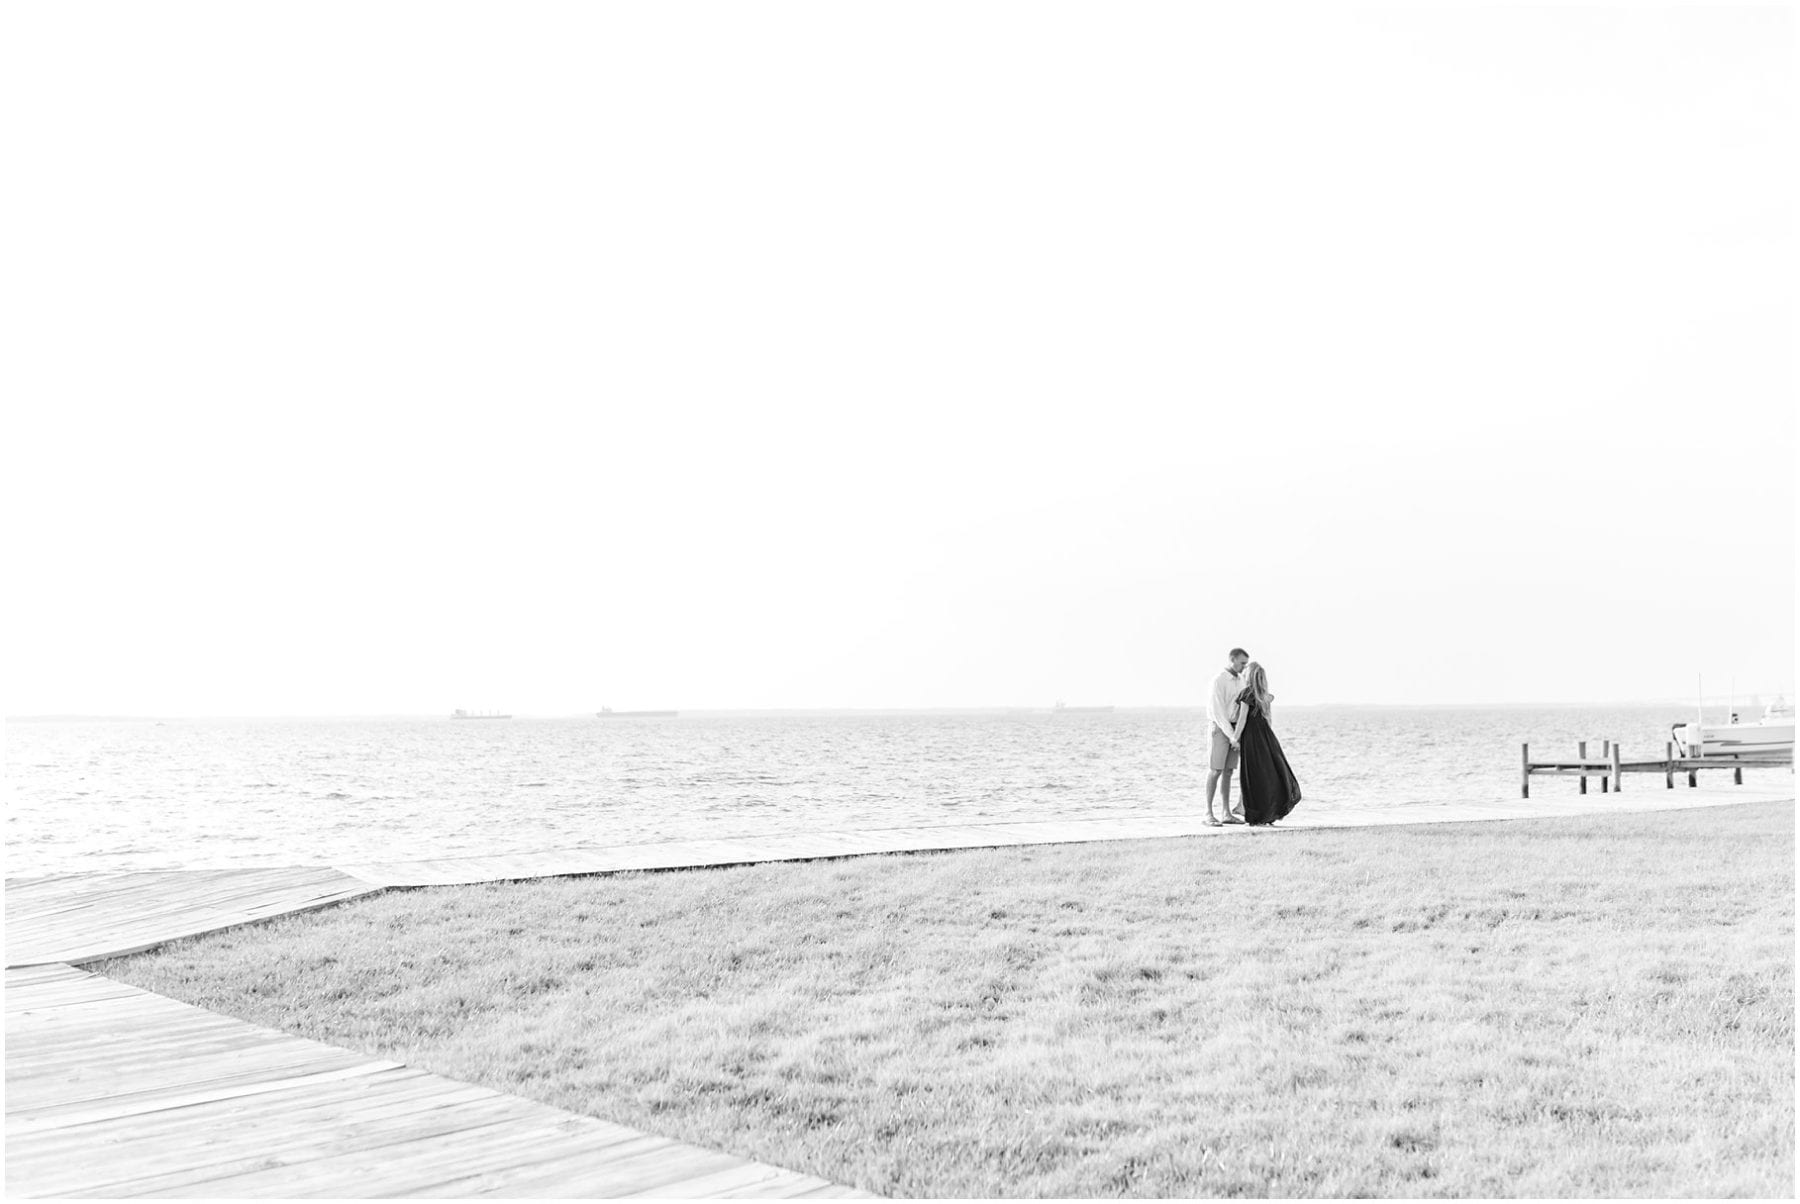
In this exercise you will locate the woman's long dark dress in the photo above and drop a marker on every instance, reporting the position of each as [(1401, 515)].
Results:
[(1268, 785)]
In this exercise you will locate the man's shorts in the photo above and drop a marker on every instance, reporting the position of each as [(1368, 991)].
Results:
[(1224, 757)]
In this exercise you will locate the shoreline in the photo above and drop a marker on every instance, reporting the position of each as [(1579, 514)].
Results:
[(808, 844)]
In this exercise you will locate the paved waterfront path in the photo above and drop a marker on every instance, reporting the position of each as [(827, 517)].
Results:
[(114, 1091), (685, 854)]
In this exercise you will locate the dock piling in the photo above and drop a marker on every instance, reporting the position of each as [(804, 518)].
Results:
[(1611, 767)]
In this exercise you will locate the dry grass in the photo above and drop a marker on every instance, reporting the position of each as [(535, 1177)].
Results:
[(1582, 1007)]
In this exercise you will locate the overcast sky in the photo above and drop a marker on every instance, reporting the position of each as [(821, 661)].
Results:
[(372, 358)]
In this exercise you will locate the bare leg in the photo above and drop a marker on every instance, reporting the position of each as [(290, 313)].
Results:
[(1230, 815), (1212, 786)]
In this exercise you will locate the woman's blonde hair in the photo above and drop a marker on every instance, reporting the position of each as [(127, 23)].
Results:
[(1257, 683)]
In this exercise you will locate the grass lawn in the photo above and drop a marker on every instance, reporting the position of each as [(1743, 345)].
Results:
[(1595, 1006)]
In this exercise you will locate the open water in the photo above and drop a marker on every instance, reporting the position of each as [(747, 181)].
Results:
[(193, 793)]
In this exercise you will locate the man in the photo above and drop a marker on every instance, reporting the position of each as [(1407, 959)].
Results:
[(1223, 757)]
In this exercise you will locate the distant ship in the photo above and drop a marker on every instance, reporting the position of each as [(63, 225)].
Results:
[(609, 713), (1063, 708), (459, 713)]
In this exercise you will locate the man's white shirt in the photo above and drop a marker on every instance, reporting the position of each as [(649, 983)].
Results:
[(1225, 689)]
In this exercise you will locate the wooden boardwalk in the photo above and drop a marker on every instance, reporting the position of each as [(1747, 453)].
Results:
[(83, 917), (114, 1091)]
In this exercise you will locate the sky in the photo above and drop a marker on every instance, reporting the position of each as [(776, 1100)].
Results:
[(395, 358)]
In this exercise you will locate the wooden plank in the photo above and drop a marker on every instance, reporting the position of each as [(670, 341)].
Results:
[(175, 891), (170, 893), (150, 1035), (158, 1160), (56, 995), (96, 1018), (70, 1013), (151, 1169), (1598, 768), (602, 1173), (832, 1191), (34, 1002), (276, 1139), (78, 913), (497, 1114), (1728, 763), (499, 1170), (118, 1072), (89, 1019), (286, 1124), (92, 1022), (422, 1165), (398, 1092), (88, 1105), (100, 1035), (751, 1178), (176, 1095), (41, 975), (121, 1063), (161, 1037), (166, 892)]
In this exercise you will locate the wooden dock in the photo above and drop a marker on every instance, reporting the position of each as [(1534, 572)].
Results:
[(114, 1091), (1610, 767)]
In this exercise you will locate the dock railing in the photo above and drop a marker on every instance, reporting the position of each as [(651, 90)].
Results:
[(1610, 767)]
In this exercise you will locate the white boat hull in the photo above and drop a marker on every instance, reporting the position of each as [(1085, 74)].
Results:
[(1768, 738)]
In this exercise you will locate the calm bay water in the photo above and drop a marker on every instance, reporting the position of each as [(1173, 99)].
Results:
[(181, 793)]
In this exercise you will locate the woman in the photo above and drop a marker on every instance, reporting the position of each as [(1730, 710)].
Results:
[(1267, 784)]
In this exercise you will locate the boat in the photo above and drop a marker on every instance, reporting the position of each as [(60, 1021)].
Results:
[(1770, 737), (1063, 708), (609, 713), (459, 713)]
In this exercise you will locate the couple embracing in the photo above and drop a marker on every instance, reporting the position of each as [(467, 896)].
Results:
[(1238, 715)]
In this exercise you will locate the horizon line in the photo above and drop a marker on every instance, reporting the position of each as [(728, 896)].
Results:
[(989, 708)]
